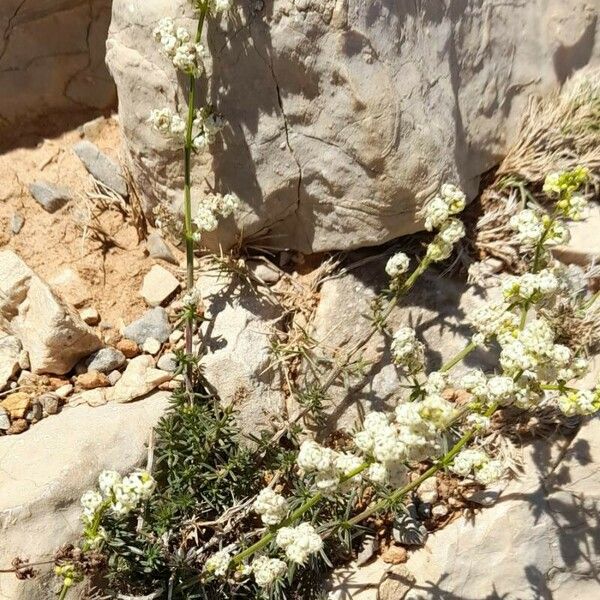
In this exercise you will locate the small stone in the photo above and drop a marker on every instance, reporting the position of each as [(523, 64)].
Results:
[(159, 249), (487, 497), (158, 286), (64, 390), (18, 426), (50, 402), (103, 168), (139, 378), (92, 129), (106, 360), (35, 413), (175, 336), (439, 511), (114, 376), (51, 197), (24, 376), (151, 346), (167, 362), (266, 273), (395, 555), (128, 347), (399, 580), (370, 546), (16, 223), (90, 316), (152, 324), (24, 361), (427, 491), (16, 404), (92, 380), (71, 287), (4, 420), (96, 397)]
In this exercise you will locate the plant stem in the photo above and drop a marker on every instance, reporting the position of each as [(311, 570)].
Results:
[(451, 363), (63, 592), (188, 232)]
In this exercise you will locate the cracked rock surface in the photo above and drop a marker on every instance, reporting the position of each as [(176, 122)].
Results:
[(344, 116), (52, 57)]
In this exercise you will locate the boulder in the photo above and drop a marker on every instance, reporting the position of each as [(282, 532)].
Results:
[(52, 58), (50, 331), (344, 117), (46, 470)]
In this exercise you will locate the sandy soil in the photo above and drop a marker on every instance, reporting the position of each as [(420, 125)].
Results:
[(51, 243)]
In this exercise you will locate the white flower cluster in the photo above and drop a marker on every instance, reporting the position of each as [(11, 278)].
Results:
[(471, 461), (212, 207), (219, 6), (299, 542), (579, 402), (166, 122), (397, 265), (266, 570), (531, 287), (218, 563), (271, 507), (185, 54), (492, 320), (205, 126), (407, 351), (533, 228), (564, 184), (328, 465), (438, 215), (120, 495)]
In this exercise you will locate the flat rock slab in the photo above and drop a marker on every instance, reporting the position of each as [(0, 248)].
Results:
[(158, 286), (50, 331), (102, 167), (49, 196), (46, 470)]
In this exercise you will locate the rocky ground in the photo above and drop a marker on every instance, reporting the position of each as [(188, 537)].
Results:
[(88, 304)]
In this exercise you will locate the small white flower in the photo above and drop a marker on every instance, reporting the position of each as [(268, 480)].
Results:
[(91, 502), (267, 570), (489, 472), (436, 383), (377, 473), (438, 250), (407, 350), (436, 213), (314, 457), (467, 460), (271, 507), (218, 563), (529, 227), (397, 265), (500, 388), (452, 231), (107, 481), (299, 542)]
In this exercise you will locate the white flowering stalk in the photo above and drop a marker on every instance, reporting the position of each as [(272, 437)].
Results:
[(299, 542), (271, 507)]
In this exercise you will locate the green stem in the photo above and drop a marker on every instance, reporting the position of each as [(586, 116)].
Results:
[(188, 232), (450, 364), (63, 592)]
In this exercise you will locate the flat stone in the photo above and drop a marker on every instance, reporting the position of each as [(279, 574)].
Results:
[(92, 380), (18, 426), (10, 350), (397, 583), (50, 403), (159, 249), (584, 247), (16, 404), (35, 413), (139, 378), (266, 273), (16, 223), (158, 286), (128, 347), (70, 287), (176, 336), (106, 360), (95, 397), (114, 376), (64, 390), (167, 362), (90, 316), (151, 346), (49, 330), (102, 167), (51, 197), (152, 324), (45, 472)]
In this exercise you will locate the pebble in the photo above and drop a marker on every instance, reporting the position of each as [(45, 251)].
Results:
[(264, 272), (167, 362), (114, 376), (24, 376), (49, 196), (92, 380), (24, 362), (103, 168), (128, 347), (4, 419), (18, 426), (16, 223), (106, 360), (176, 336), (159, 249), (427, 491), (16, 404), (50, 402), (152, 324), (90, 316), (151, 346), (395, 555), (64, 390), (439, 510), (487, 497), (35, 413), (158, 286)]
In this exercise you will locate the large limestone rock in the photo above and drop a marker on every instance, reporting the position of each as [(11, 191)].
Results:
[(50, 331), (45, 471), (344, 116), (52, 57)]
